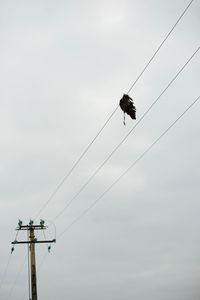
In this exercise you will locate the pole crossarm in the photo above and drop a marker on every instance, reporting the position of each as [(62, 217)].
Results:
[(28, 227), (33, 242)]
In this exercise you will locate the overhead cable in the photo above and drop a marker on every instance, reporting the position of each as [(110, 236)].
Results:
[(74, 166), (146, 66), (129, 168), (5, 271), (123, 140), (4, 274), (16, 278), (99, 132)]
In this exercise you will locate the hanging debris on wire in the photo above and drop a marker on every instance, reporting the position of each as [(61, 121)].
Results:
[(126, 104)]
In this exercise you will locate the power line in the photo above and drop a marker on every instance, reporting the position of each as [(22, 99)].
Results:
[(123, 140), (160, 46), (8, 263), (21, 266), (129, 168), (5, 271), (99, 132), (75, 164)]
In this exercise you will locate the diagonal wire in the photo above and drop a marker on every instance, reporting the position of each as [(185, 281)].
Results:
[(75, 164), (16, 278), (7, 265), (99, 132), (5, 271), (160, 46), (45, 238), (123, 140), (129, 168)]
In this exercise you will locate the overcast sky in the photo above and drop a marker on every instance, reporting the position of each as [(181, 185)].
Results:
[(64, 67)]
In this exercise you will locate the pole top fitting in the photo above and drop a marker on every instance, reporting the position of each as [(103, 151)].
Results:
[(42, 223), (20, 223)]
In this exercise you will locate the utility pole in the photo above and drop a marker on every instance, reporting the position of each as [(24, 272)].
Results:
[(32, 241)]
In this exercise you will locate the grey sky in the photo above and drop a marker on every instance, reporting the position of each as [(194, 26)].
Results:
[(64, 67)]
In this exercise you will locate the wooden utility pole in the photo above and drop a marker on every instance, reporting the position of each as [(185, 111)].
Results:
[(33, 266), (32, 241)]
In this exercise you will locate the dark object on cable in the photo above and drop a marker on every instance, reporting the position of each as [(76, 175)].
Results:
[(126, 104)]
